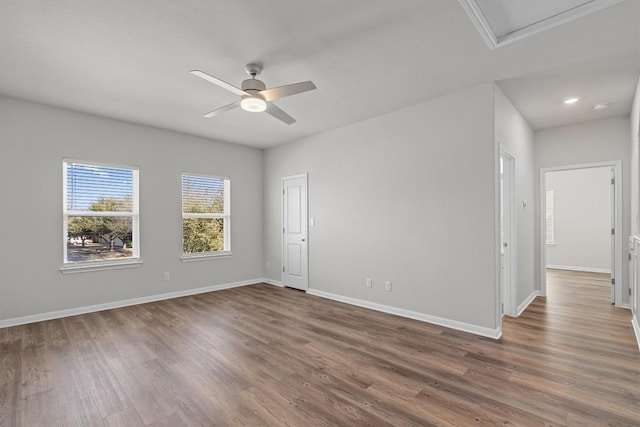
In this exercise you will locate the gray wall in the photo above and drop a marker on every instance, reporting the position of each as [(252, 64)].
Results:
[(408, 197), (582, 219), (34, 140), (515, 136), (590, 142)]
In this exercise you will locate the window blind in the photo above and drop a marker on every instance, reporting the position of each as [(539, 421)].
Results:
[(549, 232), (203, 194), (98, 188)]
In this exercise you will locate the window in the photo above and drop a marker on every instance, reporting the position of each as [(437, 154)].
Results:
[(206, 216), (100, 214), (549, 232)]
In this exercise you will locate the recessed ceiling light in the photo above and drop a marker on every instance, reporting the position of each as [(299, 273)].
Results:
[(602, 106), (571, 100)]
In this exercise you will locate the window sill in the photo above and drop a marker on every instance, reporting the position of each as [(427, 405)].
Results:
[(205, 256), (98, 266)]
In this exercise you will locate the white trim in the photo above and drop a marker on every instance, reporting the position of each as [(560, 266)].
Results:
[(299, 175), (135, 220), (617, 267), (524, 304), (477, 17), (493, 41), (102, 214), (224, 216), (65, 226), (83, 267), (190, 215), (203, 175), (636, 329), (447, 323), (134, 214), (611, 163), (578, 268), (122, 303), (99, 164), (273, 282), (497, 268), (634, 251), (510, 229), (205, 256)]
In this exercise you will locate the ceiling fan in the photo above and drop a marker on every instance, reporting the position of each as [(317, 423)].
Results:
[(254, 96)]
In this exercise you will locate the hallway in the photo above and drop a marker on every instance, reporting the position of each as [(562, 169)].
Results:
[(578, 348)]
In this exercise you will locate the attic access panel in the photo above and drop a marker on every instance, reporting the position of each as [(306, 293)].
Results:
[(505, 21)]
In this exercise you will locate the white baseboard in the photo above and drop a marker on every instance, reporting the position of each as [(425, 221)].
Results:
[(122, 303), (577, 268), (453, 324), (636, 329), (448, 323), (273, 282), (524, 304)]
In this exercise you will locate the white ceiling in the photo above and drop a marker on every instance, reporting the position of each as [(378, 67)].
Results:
[(540, 97), (130, 60)]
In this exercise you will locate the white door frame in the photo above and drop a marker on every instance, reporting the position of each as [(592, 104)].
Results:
[(282, 226), (634, 250), (509, 291), (618, 240)]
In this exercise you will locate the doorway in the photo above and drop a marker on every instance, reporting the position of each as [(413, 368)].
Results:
[(507, 235), (581, 225), (295, 260)]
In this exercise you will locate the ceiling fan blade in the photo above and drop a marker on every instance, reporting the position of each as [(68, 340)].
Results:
[(288, 90), (222, 109), (279, 114), (217, 81)]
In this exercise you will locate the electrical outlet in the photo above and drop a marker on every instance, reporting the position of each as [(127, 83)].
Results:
[(369, 283), (387, 286), (166, 277)]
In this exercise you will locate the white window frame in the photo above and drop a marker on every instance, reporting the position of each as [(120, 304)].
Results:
[(225, 216), (134, 261), (550, 235)]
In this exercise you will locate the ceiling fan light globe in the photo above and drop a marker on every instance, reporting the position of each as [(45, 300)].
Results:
[(253, 104)]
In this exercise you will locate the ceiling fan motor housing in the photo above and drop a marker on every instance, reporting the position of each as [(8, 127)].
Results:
[(253, 86)]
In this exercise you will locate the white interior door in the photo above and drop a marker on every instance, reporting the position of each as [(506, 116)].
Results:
[(634, 276), (295, 262), (613, 237), (503, 244), (507, 234)]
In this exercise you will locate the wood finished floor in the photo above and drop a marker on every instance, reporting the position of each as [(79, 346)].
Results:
[(261, 355)]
